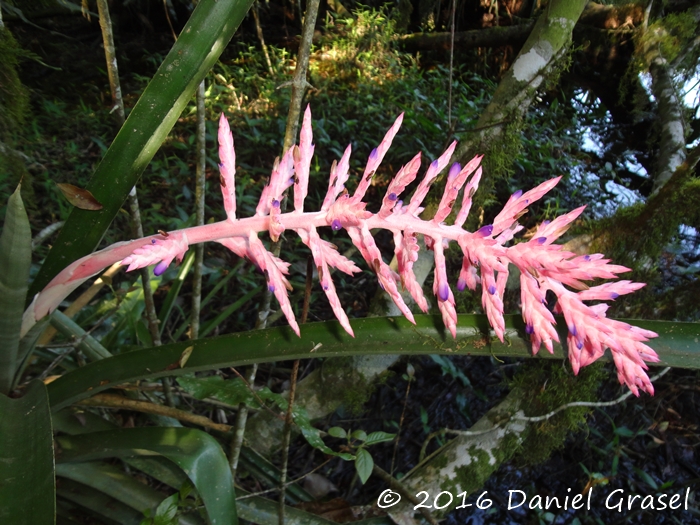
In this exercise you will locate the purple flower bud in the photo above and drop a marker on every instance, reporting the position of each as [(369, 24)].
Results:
[(546, 222), (336, 225), (492, 289), (579, 344), (461, 284), (153, 241), (275, 203), (454, 170), (529, 329), (271, 287), (392, 196), (572, 330), (160, 268), (614, 295), (541, 240), (485, 231), (586, 258), (517, 194), (373, 155), (443, 292), (434, 165)]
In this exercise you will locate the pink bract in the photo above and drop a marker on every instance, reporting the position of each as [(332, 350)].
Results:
[(543, 266)]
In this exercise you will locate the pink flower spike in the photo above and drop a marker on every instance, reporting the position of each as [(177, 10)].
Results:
[(375, 159), (227, 168), (339, 176), (609, 291), (434, 170), (276, 282), (441, 289), (454, 183), (363, 239), (302, 162), (403, 178), (406, 250), (469, 191), (556, 228), (324, 278), (280, 179), (158, 251), (515, 207)]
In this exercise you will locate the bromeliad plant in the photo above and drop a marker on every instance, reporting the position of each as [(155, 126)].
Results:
[(543, 266)]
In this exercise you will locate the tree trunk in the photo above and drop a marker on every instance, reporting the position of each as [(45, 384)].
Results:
[(547, 43)]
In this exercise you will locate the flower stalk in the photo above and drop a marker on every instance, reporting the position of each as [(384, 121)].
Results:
[(544, 266)]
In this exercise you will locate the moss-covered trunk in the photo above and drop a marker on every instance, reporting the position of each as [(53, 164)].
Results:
[(547, 43)]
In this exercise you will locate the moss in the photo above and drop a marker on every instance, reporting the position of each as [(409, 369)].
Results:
[(547, 386), (342, 381), (14, 98)]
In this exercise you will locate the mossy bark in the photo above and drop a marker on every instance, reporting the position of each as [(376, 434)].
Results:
[(547, 43), (466, 462)]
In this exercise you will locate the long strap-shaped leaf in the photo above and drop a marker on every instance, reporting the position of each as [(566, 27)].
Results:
[(209, 29), (677, 345), (196, 452), (26, 459), (15, 259)]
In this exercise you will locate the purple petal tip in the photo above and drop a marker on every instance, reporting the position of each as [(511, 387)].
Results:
[(541, 240), (392, 196), (517, 194), (275, 203), (434, 165), (572, 330), (160, 268), (454, 170), (485, 231), (461, 284), (579, 344), (336, 225), (492, 289), (529, 329), (373, 155), (444, 292), (271, 288), (614, 295)]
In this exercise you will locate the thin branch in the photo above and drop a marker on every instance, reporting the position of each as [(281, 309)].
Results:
[(116, 401), (289, 420), (239, 425), (199, 211), (287, 484)]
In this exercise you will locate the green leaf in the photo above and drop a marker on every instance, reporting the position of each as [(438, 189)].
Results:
[(199, 45), (359, 434), (364, 465), (337, 432), (167, 510), (196, 452), (26, 459), (15, 259), (676, 346), (115, 486), (379, 437)]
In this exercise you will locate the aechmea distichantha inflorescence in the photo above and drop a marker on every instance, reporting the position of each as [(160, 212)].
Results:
[(543, 266)]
